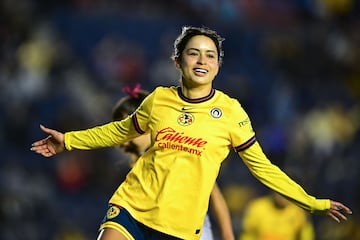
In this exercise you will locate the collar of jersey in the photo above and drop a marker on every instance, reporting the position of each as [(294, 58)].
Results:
[(195, 100)]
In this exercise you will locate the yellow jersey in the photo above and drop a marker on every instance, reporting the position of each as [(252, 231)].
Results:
[(169, 187)]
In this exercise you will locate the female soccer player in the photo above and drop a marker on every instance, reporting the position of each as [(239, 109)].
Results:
[(192, 128), (137, 146)]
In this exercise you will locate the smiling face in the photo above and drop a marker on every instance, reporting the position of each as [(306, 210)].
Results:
[(199, 63)]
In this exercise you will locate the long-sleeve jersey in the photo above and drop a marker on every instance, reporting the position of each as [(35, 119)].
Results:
[(169, 187)]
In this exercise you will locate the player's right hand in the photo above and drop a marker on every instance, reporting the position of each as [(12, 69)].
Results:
[(50, 145)]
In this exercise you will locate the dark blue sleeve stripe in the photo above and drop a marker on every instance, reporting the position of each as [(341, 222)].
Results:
[(246, 145), (136, 124)]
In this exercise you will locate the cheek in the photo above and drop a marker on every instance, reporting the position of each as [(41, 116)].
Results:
[(215, 66), (188, 60), (213, 62)]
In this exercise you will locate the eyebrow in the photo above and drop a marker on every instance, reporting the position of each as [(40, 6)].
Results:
[(196, 49)]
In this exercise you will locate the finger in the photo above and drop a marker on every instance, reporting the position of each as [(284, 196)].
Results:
[(38, 143), (344, 208), (46, 153), (338, 214), (47, 130), (44, 150), (40, 150), (340, 207), (41, 142), (333, 217), (38, 147), (52, 151)]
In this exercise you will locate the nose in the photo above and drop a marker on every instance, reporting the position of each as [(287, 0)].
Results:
[(201, 59)]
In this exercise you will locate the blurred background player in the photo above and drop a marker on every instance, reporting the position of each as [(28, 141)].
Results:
[(137, 146), (273, 217)]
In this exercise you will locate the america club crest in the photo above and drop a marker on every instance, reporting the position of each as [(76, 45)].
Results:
[(186, 119), (113, 212)]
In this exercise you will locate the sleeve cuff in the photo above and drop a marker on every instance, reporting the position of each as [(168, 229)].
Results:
[(67, 142), (321, 206)]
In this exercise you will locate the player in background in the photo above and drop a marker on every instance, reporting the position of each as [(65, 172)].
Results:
[(274, 217), (192, 127), (283, 219)]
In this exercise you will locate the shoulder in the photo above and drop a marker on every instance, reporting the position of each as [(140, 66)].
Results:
[(230, 105), (225, 98), (261, 202), (165, 91)]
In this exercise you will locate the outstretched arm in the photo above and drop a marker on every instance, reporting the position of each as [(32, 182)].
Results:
[(50, 145), (107, 135), (221, 213), (274, 178)]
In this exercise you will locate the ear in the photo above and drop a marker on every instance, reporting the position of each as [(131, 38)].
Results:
[(177, 63)]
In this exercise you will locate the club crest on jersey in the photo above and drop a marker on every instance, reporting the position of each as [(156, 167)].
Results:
[(216, 112), (112, 212), (185, 119)]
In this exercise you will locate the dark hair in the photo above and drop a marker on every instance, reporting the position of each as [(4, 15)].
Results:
[(188, 32), (127, 105)]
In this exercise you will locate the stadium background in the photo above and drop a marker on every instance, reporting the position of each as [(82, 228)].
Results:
[(294, 65)]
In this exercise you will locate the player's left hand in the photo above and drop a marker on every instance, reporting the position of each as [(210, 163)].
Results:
[(337, 211)]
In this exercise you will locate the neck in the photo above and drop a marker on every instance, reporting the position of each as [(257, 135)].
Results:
[(196, 92)]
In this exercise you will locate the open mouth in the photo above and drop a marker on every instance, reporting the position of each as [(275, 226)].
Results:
[(200, 71)]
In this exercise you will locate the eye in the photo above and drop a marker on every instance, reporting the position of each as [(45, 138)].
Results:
[(193, 53), (211, 56)]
